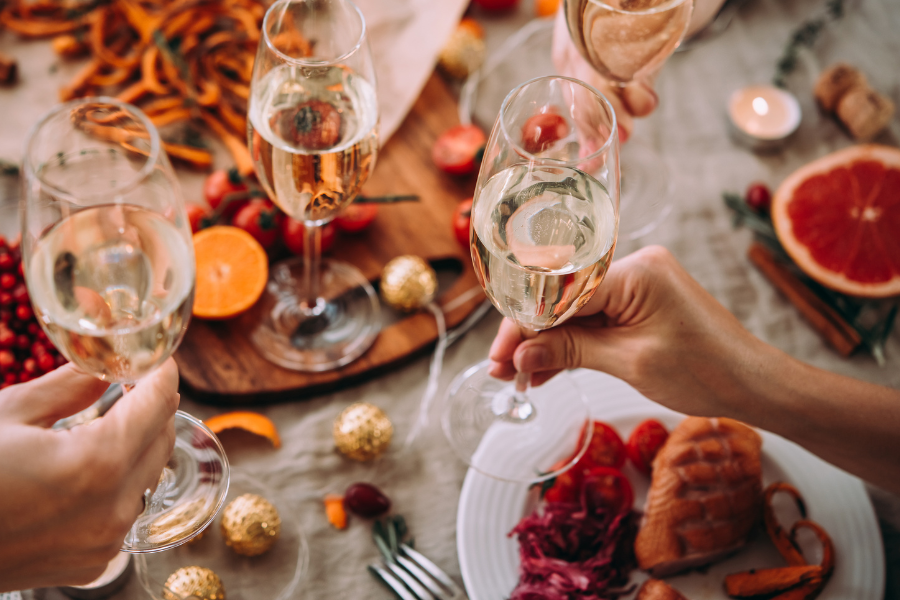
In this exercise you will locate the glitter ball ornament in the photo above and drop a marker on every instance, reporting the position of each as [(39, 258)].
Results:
[(250, 524), (408, 283), (194, 582), (362, 431)]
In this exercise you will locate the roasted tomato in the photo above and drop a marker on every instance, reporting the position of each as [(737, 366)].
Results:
[(566, 487), (260, 219), (461, 218), (458, 150), (356, 217), (606, 448), (292, 232), (644, 442), (607, 488), (542, 130), (221, 183), (196, 214)]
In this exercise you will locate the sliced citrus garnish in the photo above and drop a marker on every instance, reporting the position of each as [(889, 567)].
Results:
[(248, 421), (839, 219), (232, 269)]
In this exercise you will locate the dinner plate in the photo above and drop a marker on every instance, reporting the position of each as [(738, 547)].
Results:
[(489, 509)]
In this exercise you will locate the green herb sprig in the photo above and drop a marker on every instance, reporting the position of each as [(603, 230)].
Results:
[(805, 36)]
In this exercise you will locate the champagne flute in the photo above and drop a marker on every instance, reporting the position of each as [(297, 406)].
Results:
[(626, 40), (313, 132), (543, 232), (109, 265)]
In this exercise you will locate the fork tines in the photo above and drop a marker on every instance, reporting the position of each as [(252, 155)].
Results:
[(413, 577)]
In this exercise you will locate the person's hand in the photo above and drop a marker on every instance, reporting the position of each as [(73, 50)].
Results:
[(650, 324), (69, 497), (637, 99)]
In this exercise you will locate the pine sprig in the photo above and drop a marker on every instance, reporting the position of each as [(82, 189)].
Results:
[(805, 36)]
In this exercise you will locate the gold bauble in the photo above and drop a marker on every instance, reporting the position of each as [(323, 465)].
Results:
[(195, 582), (250, 524), (462, 55), (362, 431), (408, 283)]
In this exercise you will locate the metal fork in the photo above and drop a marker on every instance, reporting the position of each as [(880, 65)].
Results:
[(406, 571)]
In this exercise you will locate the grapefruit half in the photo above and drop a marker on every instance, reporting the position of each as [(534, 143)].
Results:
[(838, 218)]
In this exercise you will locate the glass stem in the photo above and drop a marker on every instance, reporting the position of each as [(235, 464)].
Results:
[(312, 257), (520, 406)]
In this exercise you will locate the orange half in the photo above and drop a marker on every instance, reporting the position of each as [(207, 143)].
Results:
[(232, 270)]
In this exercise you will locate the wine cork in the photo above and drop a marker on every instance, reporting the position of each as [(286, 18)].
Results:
[(864, 112), (836, 81)]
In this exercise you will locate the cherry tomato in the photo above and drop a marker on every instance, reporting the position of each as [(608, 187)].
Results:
[(196, 213), (606, 448), (497, 5), (758, 197), (644, 442), (221, 183), (292, 232), (260, 219), (459, 149), (314, 125), (356, 217), (461, 218), (607, 488), (566, 486), (542, 130)]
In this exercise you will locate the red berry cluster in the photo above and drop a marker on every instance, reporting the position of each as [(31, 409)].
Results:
[(25, 350)]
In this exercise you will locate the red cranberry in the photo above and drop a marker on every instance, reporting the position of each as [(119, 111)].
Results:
[(366, 500), (6, 299), (23, 341), (46, 363), (7, 337), (5, 316), (7, 262), (10, 378), (20, 293), (7, 360), (60, 360), (8, 281), (24, 312), (38, 349), (30, 366), (758, 197), (21, 270), (32, 328), (42, 337)]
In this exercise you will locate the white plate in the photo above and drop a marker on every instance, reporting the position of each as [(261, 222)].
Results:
[(489, 509)]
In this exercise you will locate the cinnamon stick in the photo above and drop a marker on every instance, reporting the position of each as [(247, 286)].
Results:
[(826, 320)]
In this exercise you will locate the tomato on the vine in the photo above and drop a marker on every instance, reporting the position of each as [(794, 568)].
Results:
[(260, 219), (607, 488), (221, 183), (462, 216), (542, 130), (458, 150), (196, 213), (356, 217), (293, 232), (644, 443)]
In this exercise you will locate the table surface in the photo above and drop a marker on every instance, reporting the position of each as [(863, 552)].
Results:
[(689, 129)]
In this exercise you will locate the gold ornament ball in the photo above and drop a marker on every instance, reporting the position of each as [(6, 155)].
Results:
[(196, 582), (408, 283), (362, 431), (250, 524)]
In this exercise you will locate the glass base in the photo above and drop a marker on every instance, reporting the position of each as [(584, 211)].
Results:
[(190, 493), (647, 186), (341, 326), (478, 417)]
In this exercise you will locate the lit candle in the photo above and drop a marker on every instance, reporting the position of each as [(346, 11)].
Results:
[(763, 116)]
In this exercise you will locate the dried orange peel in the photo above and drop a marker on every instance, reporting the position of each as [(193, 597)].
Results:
[(248, 421), (335, 511)]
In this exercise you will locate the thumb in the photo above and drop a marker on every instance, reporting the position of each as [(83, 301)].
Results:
[(572, 346), (639, 98)]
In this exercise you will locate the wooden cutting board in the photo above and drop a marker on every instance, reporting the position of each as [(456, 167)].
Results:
[(218, 363)]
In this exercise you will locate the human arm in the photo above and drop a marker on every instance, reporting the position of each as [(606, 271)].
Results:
[(655, 327), (69, 497)]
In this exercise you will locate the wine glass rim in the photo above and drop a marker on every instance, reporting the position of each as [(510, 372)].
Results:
[(667, 5), (149, 164), (613, 129), (304, 61)]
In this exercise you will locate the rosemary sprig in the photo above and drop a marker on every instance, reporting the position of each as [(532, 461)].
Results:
[(873, 320), (805, 35)]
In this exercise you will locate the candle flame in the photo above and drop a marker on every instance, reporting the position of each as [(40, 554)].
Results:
[(760, 106)]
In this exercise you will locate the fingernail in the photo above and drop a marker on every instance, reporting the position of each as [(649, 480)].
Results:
[(533, 359)]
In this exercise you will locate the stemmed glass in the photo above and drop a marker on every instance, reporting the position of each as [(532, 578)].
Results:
[(626, 40), (313, 133), (109, 265), (543, 232)]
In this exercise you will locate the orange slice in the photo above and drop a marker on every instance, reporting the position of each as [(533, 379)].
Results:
[(248, 421), (839, 219), (232, 269)]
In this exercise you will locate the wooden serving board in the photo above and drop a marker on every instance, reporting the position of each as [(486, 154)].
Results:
[(218, 363)]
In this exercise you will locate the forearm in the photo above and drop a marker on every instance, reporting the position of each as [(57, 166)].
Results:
[(852, 424)]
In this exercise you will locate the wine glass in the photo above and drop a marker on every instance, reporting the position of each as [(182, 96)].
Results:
[(543, 232), (109, 265), (313, 132), (626, 40)]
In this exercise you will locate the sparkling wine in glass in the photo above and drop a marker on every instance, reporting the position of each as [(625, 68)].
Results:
[(625, 40), (109, 266), (543, 233), (313, 133)]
